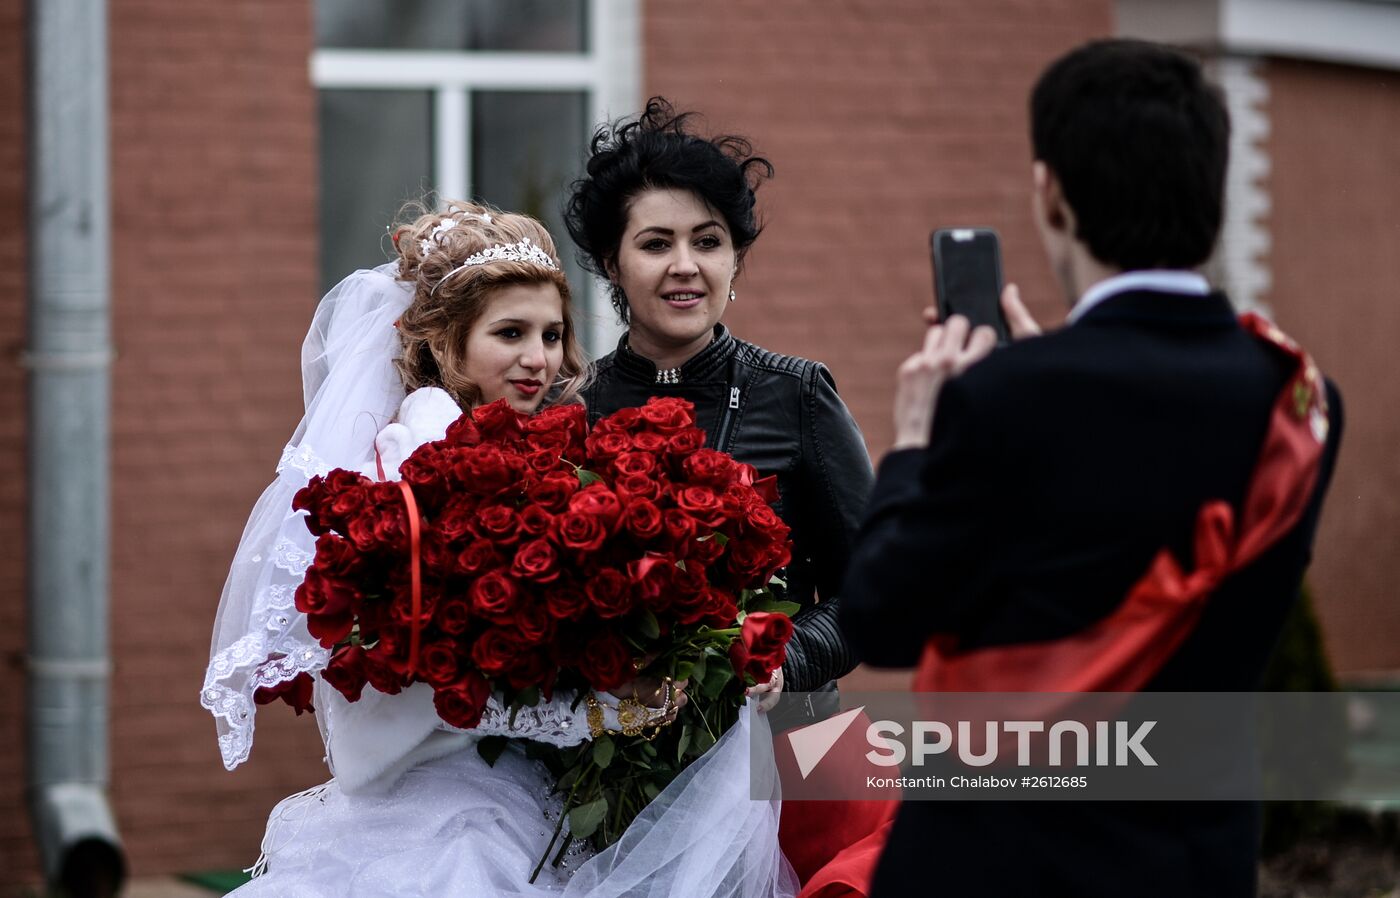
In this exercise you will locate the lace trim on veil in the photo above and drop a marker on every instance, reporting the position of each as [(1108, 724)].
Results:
[(276, 647)]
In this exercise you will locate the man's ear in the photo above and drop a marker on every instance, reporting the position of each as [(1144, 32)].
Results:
[(1050, 199)]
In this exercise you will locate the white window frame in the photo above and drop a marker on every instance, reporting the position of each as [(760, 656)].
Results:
[(608, 73)]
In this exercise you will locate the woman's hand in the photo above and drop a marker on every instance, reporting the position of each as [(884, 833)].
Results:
[(769, 692)]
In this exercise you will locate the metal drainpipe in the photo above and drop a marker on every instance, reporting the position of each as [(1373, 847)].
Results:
[(69, 357)]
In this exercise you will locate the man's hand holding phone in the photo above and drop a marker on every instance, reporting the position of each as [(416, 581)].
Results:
[(948, 350)]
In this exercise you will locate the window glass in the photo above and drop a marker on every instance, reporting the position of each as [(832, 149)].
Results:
[(515, 25), (527, 147), (376, 152)]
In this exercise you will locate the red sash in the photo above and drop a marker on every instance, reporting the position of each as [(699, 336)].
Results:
[(1122, 652)]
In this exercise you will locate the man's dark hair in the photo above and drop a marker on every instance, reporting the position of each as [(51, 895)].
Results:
[(1139, 141), (659, 148)]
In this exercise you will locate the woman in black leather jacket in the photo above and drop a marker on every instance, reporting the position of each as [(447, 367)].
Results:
[(667, 217)]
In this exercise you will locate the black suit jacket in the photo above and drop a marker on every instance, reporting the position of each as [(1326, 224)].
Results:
[(1057, 468)]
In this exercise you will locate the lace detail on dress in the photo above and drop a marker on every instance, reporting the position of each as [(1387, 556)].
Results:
[(555, 722), (303, 459), (291, 558)]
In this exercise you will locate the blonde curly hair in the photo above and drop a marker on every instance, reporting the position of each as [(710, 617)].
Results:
[(448, 302)]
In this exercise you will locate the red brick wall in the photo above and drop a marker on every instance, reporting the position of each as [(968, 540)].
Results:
[(15, 850), (1335, 148), (884, 121), (214, 279)]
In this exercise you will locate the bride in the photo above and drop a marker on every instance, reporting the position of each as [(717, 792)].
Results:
[(474, 309)]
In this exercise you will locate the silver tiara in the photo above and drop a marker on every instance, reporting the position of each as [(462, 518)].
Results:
[(524, 251)]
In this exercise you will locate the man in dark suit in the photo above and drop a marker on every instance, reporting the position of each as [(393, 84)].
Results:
[(1031, 488)]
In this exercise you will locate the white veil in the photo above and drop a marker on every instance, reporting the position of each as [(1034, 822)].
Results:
[(352, 390)]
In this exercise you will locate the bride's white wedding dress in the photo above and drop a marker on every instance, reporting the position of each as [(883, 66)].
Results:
[(412, 808)]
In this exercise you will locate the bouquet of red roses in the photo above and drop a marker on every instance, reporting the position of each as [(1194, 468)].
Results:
[(521, 554)]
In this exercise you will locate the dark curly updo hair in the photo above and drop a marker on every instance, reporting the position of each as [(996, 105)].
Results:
[(658, 149)]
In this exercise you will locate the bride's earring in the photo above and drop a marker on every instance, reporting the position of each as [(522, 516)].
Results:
[(732, 297)]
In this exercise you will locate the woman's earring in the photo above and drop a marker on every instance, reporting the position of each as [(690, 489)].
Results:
[(732, 297)]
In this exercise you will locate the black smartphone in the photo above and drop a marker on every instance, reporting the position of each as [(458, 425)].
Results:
[(967, 277)]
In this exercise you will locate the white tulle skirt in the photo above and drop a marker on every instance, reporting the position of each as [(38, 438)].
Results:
[(455, 826)]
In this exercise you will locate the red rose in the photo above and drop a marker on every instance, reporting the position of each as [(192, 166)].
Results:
[(571, 419), (668, 415), (462, 703), (456, 520), (535, 520), (747, 559), (463, 432), (383, 669), (680, 531), (634, 463), (653, 582), (486, 471), (766, 521), (719, 608), (497, 523), (295, 692), (762, 645), (537, 561), (701, 503), (598, 501), (566, 602), (605, 662), (685, 442), (711, 467), (309, 499), (478, 557), (637, 486), (622, 419), (605, 446), (494, 651), (609, 593), (498, 421), (579, 532), (345, 672), (543, 461), (553, 491), (534, 624), (328, 605), (438, 662), (426, 471), (649, 442), (767, 488), (642, 519), (492, 595), (707, 550), (336, 556), (453, 615)]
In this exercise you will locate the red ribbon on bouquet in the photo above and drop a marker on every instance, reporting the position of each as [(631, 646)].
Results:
[(415, 566)]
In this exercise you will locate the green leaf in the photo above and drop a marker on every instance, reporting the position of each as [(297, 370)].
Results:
[(584, 819), (716, 678), (680, 565), (649, 626), (721, 539), (603, 751), (778, 580), (701, 742), (697, 671), (490, 748), (650, 790), (649, 749), (684, 742), (584, 479), (684, 670)]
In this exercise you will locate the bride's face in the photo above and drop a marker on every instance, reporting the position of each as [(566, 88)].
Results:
[(515, 348)]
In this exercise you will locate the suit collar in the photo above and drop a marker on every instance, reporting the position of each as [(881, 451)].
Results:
[(1164, 309)]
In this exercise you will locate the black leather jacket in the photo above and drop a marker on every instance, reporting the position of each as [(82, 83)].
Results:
[(780, 414)]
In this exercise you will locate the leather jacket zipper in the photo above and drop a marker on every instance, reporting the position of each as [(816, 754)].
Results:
[(727, 421)]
